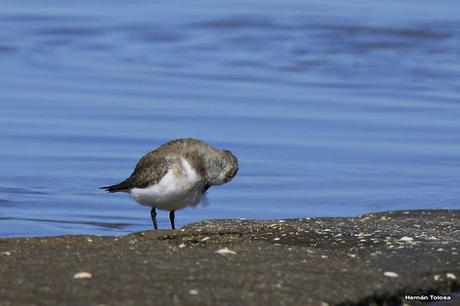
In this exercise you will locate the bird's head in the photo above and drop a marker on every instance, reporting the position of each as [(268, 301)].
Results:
[(230, 167), (225, 169)]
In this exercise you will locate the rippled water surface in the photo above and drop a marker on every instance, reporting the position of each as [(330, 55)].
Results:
[(332, 108)]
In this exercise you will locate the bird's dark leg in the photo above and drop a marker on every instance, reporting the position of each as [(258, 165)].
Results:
[(153, 214), (171, 218)]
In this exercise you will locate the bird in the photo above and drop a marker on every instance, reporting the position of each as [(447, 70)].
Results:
[(176, 175)]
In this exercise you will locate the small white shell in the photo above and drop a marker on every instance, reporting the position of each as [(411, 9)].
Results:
[(391, 274), (82, 275), (225, 251)]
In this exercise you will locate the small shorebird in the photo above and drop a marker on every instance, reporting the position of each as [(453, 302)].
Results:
[(176, 175)]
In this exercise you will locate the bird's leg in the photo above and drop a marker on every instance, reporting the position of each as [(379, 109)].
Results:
[(171, 218), (153, 214)]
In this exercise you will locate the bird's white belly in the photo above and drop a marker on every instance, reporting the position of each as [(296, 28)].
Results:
[(172, 191)]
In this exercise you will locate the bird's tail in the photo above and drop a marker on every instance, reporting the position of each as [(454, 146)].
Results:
[(121, 187)]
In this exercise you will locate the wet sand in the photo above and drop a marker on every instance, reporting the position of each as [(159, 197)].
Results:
[(337, 261)]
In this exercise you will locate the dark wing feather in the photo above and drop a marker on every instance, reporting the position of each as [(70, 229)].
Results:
[(149, 171)]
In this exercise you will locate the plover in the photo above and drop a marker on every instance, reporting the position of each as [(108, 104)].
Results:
[(176, 175)]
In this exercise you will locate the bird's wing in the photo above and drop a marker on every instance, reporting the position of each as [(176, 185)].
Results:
[(149, 171)]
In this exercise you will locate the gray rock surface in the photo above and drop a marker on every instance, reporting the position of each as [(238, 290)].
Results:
[(372, 259)]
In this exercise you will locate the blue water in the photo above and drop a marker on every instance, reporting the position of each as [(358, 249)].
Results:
[(333, 108)]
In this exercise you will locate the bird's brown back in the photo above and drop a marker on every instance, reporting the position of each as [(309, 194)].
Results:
[(151, 168)]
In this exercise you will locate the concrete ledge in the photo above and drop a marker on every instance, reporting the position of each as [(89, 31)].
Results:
[(374, 258)]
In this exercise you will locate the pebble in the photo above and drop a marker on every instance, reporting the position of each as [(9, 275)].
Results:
[(6, 253), (226, 251), (391, 274), (193, 292), (182, 245), (82, 275), (205, 238), (407, 239)]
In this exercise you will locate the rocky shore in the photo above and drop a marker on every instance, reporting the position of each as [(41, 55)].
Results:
[(378, 258)]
